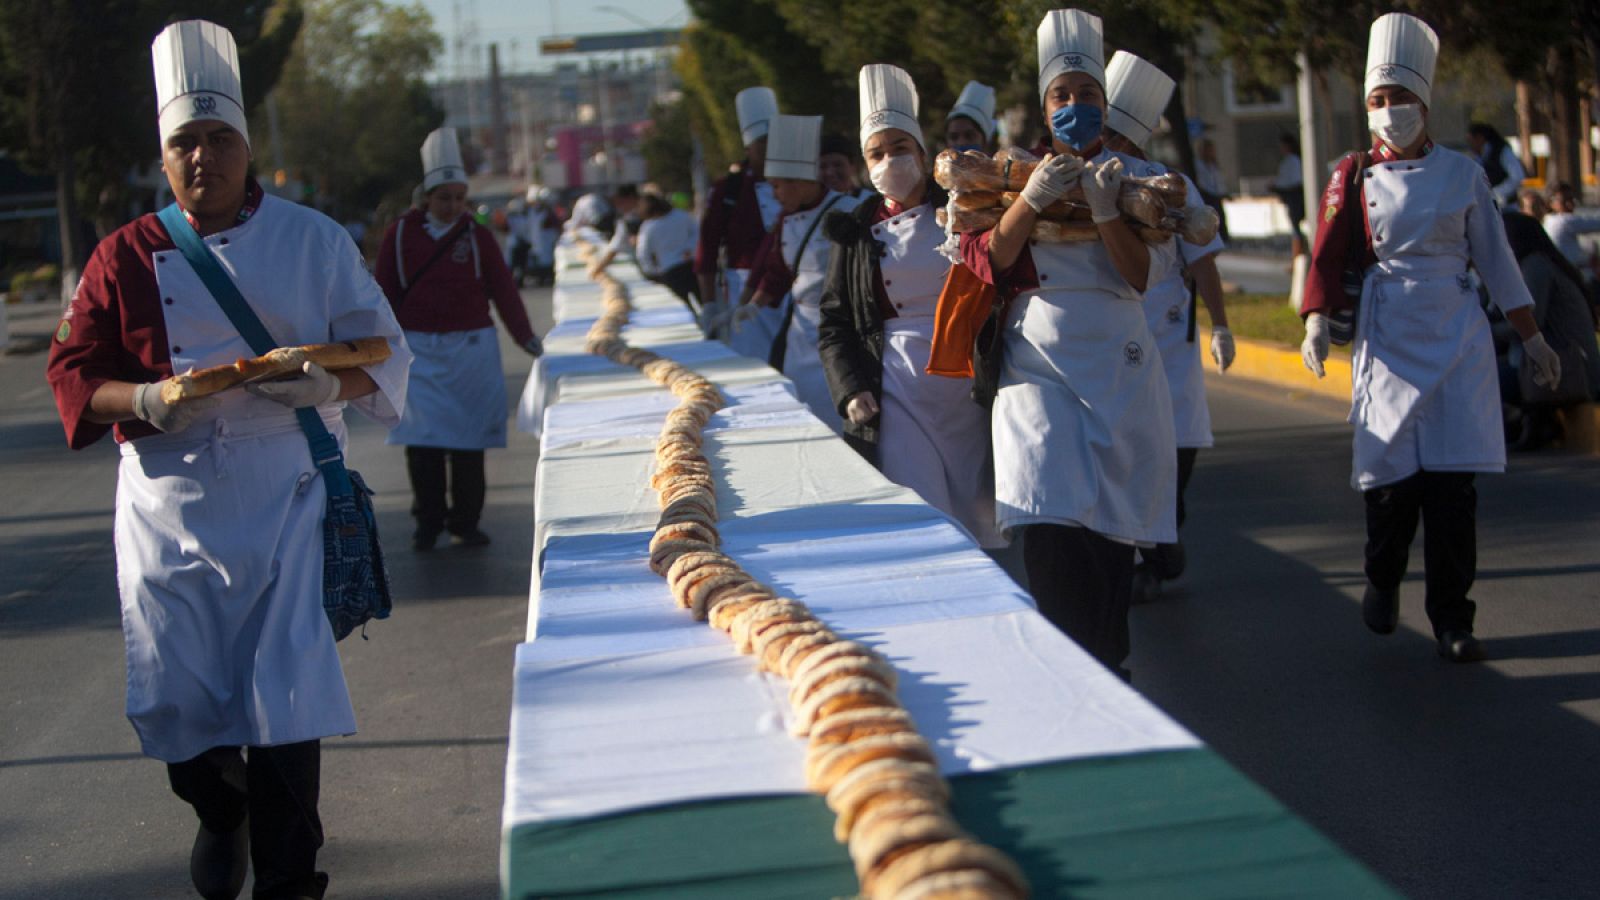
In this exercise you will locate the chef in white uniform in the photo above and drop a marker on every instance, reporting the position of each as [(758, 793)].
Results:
[(219, 505), (970, 124), (755, 327), (1085, 459), (740, 210), (1137, 92), (1425, 405), (876, 334), (791, 275)]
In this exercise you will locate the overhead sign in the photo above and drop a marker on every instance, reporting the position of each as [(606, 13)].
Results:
[(622, 40)]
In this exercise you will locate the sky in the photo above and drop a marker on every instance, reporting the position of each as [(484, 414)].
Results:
[(526, 22)]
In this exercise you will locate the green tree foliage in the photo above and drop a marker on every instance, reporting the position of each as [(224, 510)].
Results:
[(353, 108), (667, 147)]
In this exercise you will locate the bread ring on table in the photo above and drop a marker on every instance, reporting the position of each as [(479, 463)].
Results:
[(779, 610), (855, 692), (857, 724), (961, 884), (681, 580), (750, 590), (797, 651), (827, 763), (698, 591), (681, 487), (874, 850), (959, 855), (769, 643), (690, 561), (773, 659), (723, 609), (665, 553), (824, 654), (882, 781), (896, 810), (683, 531), (697, 506), (838, 668)]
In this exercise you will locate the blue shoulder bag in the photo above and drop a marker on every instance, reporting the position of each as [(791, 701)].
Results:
[(355, 584)]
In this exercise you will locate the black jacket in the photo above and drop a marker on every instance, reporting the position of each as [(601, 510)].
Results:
[(850, 336)]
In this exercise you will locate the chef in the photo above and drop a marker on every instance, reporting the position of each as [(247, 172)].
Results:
[(1085, 461), (1425, 405), (876, 329), (438, 266), (1136, 93), (970, 124), (739, 212), (837, 164), (797, 264), (219, 505)]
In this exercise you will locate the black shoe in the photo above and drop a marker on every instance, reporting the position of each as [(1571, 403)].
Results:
[(1380, 609), (1146, 586), (1167, 561), (472, 537), (1461, 647), (218, 861), (424, 539)]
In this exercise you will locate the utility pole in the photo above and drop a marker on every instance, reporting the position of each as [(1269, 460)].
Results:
[(1311, 154)]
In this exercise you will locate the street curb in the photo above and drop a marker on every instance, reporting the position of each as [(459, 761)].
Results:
[(1281, 366)]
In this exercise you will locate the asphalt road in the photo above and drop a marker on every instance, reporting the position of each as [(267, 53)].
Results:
[(1450, 781)]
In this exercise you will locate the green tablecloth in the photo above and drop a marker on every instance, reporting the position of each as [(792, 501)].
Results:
[(1166, 824)]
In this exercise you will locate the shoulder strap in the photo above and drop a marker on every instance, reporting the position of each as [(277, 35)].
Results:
[(805, 241), (445, 243), (324, 448), (1352, 201), (775, 356)]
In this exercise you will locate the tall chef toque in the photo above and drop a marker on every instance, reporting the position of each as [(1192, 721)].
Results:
[(888, 100), (1402, 50), (976, 103), (756, 106), (441, 159), (1069, 41), (197, 77), (1136, 93), (793, 146)]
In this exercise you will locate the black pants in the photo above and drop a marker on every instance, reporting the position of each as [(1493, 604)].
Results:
[(1082, 582), (1448, 503), (426, 465), (278, 787), (1164, 560), (1186, 458), (681, 280)]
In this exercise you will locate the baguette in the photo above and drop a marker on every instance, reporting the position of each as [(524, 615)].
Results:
[(282, 361)]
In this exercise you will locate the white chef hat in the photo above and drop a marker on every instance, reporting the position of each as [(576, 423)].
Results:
[(792, 147), (888, 100), (441, 159), (756, 107), (197, 77), (976, 103), (1069, 41), (1136, 93), (1402, 50)]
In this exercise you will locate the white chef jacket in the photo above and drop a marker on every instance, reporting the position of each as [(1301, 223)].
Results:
[(801, 362), (1083, 418), (666, 242), (588, 212), (1564, 230), (219, 527), (1425, 392)]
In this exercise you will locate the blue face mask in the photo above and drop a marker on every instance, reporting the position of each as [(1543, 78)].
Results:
[(1076, 124)]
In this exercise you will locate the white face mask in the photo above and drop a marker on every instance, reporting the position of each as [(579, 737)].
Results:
[(896, 177), (1397, 126)]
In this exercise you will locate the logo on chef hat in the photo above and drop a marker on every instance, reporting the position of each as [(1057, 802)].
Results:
[(1388, 72), (1073, 60), (1133, 354), (878, 118), (204, 104)]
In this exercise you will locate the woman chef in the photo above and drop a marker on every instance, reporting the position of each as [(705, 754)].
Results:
[(1136, 93), (797, 261), (1425, 400), (876, 333), (1084, 452), (438, 266), (970, 124), (739, 212), (219, 507)]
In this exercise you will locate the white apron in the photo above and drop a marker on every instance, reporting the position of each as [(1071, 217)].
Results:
[(1425, 390), (1167, 309), (218, 528), (754, 336), (801, 361), (932, 437), (1083, 419), (457, 398)]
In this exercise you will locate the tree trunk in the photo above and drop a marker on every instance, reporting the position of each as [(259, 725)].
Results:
[(1525, 125), (1564, 115), (69, 227), (1179, 120)]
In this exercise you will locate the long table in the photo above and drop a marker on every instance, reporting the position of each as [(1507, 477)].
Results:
[(648, 758)]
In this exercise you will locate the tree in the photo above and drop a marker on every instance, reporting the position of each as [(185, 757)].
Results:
[(353, 109), (667, 147), (77, 99)]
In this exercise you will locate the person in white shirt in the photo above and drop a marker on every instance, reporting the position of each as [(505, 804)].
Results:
[(1288, 184), (625, 200), (590, 211), (1564, 224), (1499, 162), (1213, 187), (665, 252)]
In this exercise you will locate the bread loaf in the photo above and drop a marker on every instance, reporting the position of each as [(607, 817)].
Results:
[(282, 361)]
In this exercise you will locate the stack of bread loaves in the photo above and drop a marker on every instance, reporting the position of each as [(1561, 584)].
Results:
[(879, 775)]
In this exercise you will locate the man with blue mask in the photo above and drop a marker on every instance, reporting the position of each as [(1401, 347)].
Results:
[(1084, 454), (970, 124)]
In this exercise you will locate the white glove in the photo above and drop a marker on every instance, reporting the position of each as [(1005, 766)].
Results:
[(1546, 364), (314, 388), (148, 406), (1222, 349), (534, 347), (861, 408), (1314, 349), (744, 313), (1102, 188), (1051, 180), (714, 319)]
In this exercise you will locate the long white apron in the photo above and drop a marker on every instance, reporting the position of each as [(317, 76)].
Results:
[(755, 332), (932, 437), (457, 398), (801, 361), (1083, 428), (1167, 310)]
